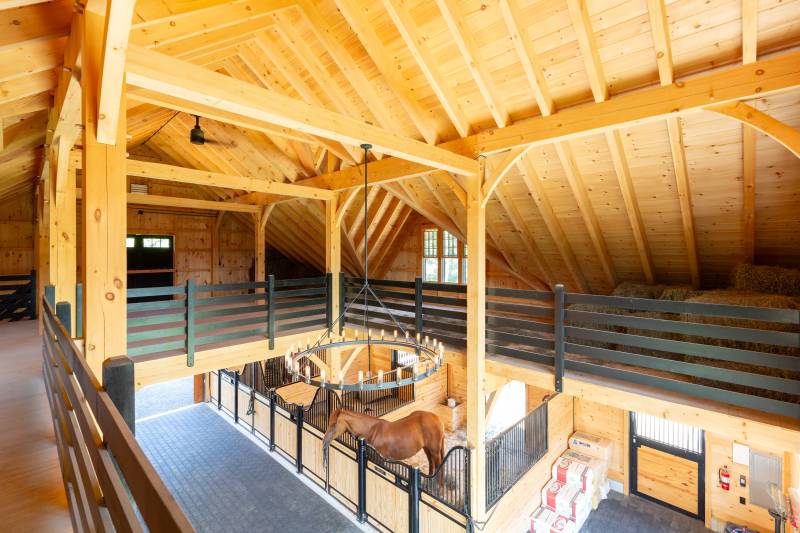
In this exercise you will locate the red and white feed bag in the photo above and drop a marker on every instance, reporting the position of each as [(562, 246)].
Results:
[(566, 500), (573, 472), (545, 520)]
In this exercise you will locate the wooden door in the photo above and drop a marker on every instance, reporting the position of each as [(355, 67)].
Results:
[(668, 464)]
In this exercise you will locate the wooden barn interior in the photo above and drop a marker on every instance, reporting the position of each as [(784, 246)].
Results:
[(567, 228)]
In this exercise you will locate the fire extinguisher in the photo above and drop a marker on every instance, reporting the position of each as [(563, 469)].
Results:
[(724, 478)]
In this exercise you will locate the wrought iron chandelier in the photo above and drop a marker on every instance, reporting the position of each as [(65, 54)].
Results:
[(430, 352)]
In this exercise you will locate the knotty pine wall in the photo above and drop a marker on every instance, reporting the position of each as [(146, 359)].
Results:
[(16, 234)]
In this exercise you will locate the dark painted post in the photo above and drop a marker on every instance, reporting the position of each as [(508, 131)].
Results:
[(50, 294), (272, 421), (418, 307), (361, 455), (341, 301), (329, 300), (558, 323), (271, 310), (79, 310), (299, 448), (64, 315), (236, 397), (468, 487), (413, 500), (32, 296), (219, 389), (118, 383), (191, 297)]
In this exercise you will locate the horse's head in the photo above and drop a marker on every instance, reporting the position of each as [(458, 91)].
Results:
[(334, 430)]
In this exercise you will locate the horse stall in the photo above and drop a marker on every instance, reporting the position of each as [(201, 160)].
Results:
[(389, 495)]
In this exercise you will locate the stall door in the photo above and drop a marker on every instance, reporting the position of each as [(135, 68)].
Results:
[(668, 463)]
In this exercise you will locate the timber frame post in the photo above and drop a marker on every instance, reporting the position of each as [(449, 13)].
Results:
[(476, 340), (333, 268), (104, 209)]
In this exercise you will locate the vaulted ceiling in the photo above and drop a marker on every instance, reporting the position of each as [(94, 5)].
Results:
[(666, 201)]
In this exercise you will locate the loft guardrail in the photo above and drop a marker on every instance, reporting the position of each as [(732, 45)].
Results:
[(18, 296), (190, 317), (109, 482), (739, 355)]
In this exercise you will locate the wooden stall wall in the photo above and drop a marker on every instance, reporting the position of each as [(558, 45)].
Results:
[(16, 234), (512, 512), (611, 423)]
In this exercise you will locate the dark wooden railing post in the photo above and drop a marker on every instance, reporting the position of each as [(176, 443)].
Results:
[(50, 294), (468, 487), (558, 324), (329, 300), (32, 296), (219, 389), (418, 306), (299, 448), (361, 455), (118, 383), (79, 310), (272, 397), (413, 499), (341, 301), (236, 397), (271, 310), (63, 312), (191, 296)]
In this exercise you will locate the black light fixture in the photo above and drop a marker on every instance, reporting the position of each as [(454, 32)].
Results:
[(430, 352), (197, 136)]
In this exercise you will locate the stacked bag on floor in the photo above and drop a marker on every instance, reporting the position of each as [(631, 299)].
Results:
[(579, 482)]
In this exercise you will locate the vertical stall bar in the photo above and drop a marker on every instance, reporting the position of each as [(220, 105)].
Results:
[(361, 454), (219, 389), (236, 397), (272, 421), (413, 500), (299, 418)]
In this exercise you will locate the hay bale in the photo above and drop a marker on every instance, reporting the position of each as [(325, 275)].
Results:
[(768, 279), (679, 293), (638, 290)]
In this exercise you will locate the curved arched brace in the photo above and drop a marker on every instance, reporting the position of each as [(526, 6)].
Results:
[(511, 159), (783, 133)]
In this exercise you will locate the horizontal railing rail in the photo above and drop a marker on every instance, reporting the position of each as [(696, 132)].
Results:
[(108, 480), (18, 296), (510, 454)]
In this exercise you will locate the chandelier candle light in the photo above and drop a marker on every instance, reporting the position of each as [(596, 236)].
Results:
[(430, 352)]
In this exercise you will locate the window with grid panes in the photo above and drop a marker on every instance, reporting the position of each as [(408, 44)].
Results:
[(450, 258), (430, 254)]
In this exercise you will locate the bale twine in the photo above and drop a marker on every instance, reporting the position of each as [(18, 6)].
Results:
[(768, 279)]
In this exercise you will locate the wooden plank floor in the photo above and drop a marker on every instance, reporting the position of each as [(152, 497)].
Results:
[(31, 491)]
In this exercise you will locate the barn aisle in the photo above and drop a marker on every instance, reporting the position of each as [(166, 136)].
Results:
[(225, 482), (33, 496)]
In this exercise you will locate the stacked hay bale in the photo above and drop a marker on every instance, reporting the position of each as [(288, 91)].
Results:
[(766, 279)]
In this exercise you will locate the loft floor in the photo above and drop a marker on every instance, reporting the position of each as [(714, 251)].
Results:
[(33, 496)]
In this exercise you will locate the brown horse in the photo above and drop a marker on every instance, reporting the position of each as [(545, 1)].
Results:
[(396, 440)]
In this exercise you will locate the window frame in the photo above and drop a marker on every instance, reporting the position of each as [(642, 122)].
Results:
[(440, 257)]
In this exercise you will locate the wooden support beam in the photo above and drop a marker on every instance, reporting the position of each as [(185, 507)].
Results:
[(345, 201), (160, 171), (498, 173), (64, 214), (581, 23), (523, 44), (104, 214), (631, 203), (659, 27), (536, 189), (476, 343), (119, 16), (260, 243), (400, 13), (783, 133), (684, 197), (749, 31), (768, 76), (749, 193), (190, 203), (453, 185), (465, 41), (586, 210), (166, 75)]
